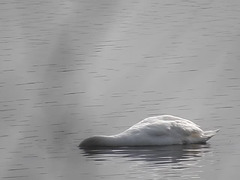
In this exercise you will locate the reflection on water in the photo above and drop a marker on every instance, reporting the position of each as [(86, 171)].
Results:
[(155, 154), (161, 162)]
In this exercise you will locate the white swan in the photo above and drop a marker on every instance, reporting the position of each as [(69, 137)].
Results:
[(154, 131)]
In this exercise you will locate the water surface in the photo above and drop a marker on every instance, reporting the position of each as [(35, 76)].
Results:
[(73, 69)]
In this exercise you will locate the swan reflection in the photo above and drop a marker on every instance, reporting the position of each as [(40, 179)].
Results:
[(155, 154)]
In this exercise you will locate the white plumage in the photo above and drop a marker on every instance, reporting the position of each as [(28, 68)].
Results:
[(154, 131)]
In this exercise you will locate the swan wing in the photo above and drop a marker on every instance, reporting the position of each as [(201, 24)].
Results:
[(162, 130), (169, 126), (164, 123), (151, 127), (186, 128), (179, 120)]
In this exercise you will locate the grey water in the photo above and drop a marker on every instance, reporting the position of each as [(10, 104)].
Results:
[(72, 69)]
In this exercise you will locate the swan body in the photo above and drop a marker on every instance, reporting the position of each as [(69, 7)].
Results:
[(154, 131)]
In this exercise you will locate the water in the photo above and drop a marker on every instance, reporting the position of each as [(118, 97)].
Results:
[(72, 69), (149, 163)]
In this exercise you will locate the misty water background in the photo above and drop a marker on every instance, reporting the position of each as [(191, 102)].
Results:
[(73, 69)]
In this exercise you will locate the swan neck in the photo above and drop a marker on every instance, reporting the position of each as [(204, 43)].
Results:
[(98, 141)]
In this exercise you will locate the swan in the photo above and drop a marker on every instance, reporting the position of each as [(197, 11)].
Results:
[(153, 131)]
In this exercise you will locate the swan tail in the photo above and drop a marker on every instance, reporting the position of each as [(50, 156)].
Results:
[(208, 134)]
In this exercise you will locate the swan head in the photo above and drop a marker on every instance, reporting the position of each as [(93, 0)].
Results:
[(96, 141)]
